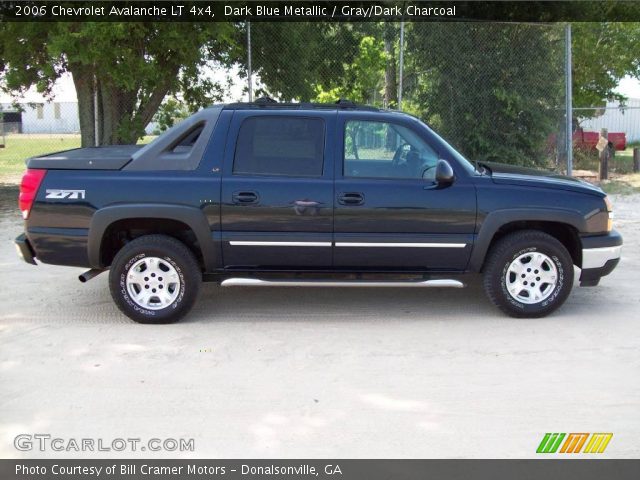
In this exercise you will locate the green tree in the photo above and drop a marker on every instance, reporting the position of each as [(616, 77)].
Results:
[(360, 80), (129, 67), (169, 113), (325, 61), (603, 53), (493, 90), (292, 59)]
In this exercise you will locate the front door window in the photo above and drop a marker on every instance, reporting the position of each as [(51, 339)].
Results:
[(386, 150)]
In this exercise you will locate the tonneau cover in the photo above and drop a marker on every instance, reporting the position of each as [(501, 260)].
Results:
[(90, 158)]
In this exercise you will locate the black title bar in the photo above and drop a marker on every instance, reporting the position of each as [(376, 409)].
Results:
[(233, 11)]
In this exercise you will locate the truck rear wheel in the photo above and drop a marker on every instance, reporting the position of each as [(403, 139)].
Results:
[(528, 274), (155, 279)]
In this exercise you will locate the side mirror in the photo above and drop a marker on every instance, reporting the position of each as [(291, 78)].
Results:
[(444, 173)]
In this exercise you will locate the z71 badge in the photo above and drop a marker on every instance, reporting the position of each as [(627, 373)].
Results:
[(65, 194)]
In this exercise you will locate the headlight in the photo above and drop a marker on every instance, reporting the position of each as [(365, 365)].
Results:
[(607, 202)]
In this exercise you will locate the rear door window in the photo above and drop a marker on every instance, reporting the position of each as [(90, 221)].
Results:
[(280, 146)]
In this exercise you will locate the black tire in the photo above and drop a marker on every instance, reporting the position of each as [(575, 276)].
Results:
[(170, 252), (507, 250)]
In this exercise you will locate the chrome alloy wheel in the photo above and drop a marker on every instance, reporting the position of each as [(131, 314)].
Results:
[(153, 283), (531, 278)]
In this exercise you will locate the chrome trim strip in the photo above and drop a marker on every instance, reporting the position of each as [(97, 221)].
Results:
[(252, 243), (256, 282), (279, 244), (598, 257), (401, 245)]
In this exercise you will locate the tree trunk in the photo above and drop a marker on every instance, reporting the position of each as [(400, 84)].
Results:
[(83, 80), (106, 114), (116, 113), (122, 121), (148, 109), (99, 115)]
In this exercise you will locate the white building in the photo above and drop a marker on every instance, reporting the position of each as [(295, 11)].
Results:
[(617, 119), (40, 115)]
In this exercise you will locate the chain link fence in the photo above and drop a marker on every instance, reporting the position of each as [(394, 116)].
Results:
[(495, 91), (620, 123)]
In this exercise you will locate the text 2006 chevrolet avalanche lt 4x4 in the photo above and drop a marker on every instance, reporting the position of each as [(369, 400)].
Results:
[(267, 194)]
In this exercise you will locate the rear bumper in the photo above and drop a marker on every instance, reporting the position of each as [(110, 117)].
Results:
[(24, 249), (56, 246), (600, 256), (60, 246)]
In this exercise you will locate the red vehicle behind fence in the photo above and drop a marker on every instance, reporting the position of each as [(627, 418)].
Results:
[(589, 140)]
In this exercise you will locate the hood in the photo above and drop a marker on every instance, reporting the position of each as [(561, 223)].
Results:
[(503, 173)]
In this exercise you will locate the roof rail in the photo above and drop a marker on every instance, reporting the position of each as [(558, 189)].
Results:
[(344, 103), (268, 102)]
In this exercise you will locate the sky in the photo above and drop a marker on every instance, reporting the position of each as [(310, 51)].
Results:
[(629, 87), (65, 91)]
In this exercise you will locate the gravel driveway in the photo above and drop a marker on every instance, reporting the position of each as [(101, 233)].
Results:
[(318, 373)]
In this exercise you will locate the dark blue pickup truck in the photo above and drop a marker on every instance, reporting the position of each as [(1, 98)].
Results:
[(268, 194)]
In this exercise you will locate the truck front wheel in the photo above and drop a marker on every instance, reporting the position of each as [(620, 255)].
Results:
[(528, 274), (155, 279)]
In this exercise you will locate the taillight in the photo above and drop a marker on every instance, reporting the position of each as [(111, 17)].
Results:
[(31, 181)]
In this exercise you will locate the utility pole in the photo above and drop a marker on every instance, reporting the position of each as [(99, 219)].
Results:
[(401, 65), (568, 98), (249, 72), (96, 115)]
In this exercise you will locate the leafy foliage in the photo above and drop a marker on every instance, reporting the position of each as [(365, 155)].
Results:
[(603, 53), (361, 79), (292, 60), (130, 67), (170, 112), (494, 90)]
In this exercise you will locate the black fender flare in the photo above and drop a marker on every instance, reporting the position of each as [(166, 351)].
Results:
[(498, 218), (191, 216)]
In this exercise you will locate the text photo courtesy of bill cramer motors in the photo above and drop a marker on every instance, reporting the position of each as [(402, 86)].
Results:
[(289, 239)]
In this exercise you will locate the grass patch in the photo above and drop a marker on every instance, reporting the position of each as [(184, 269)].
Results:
[(20, 147), (622, 184), (621, 163)]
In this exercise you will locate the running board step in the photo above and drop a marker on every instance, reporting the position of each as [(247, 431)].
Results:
[(256, 282)]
